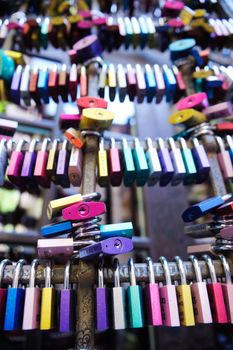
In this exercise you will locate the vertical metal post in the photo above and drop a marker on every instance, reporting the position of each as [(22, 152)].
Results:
[(85, 325)]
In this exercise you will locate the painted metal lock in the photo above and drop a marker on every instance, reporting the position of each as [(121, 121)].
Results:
[(227, 288), (91, 102), (115, 171), (40, 173), (129, 172), (166, 163), (189, 117), (16, 163), (141, 166), (29, 164), (191, 171), (47, 311), (75, 137), (102, 301), (197, 101), (62, 177), (51, 166), (97, 119), (83, 211), (102, 164), (3, 292), (118, 300), (75, 166), (154, 165), (201, 161)]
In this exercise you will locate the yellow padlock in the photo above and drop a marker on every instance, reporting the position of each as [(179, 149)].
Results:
[(102, 165), (97, 119), (184, 297), (47, 302), (2, 91), (202, 73), (189, 117), (199, 13), (18, 57), (74, 19), (57, 21), (197, 22), (186, 15)]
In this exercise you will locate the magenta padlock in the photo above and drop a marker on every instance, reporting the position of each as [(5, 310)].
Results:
[(152, 298), (40, 173), (215, 293), (3, 292), (168, 298), (83, 210), (31, 313), (227, 289), (15, 164), (197, 101)]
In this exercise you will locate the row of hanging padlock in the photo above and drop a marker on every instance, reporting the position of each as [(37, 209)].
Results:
[(219, 209), (168, 304), (85, 237), (143, 83)]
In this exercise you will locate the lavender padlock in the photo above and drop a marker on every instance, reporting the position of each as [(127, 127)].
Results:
[(166, 163), (102, 302), (67, 303)]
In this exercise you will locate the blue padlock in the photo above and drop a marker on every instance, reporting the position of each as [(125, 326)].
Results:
[(150, 83), (15, 301), (7, 66), (57, 229), (200, 209), (42, 85), (170, 83), (181, 48)]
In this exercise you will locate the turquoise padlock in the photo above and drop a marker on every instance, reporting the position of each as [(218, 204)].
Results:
[(181, 48), (7, 66), (141, 166), (135, 301)]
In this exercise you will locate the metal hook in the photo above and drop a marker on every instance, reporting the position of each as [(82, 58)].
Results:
[(196, 267), (48, 275), (17, 272), (211, 267), (180, 266), (132, 275), (150, 269), (67, 275), (116, 273), (32, 277), (226, 268), (166, 270), (2, 267), (101, 273)]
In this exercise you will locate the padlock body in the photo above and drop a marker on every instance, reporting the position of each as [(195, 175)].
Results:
[(217, 302), (14, 309), (169, 306), (118, 308), (152, 300), (40, 173), (102, 168), (115, 167), (227, 289), (31, 314), (185, 305), (47, 308), (3, 297), (135, 306), (67, 308), (102, 312)]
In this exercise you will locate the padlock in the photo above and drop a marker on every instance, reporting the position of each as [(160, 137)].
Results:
[(24, 85), (47, 311), (15, 85), (144, 34), (180, 84), (83, 211), (170, 83), (3, 291), (7, 66), (168, 299), (102, 82), (197, 101), (152, 299), (62, 177), (40, 173), (227, 288), (151, 31), (112, 82), (33, 82), (191, 171), (141, 83), (136, 32), (55, 206), (115, 171), (225, 209), (103, 232), (102, 301), (97, 119), (63, 83), (201, 304), (42, 85), (57, 229), (154, 165), (51, 166), (190, 117), (53, 83), (201, 161), (73, 82), (57, 248), (183, 292), (102, 164), (16, 163), (202, 73), (118, 300), (75, 166), (67, 303), (134, 297), (69, 120), (129, 173), (15, 301), (224, 159), (181, 48), (200, 209), (44, 30), (215, 293), (177, 161), (109, 246), (75, 137), (31, 313), (166, 163), (3, 160), (29, 164), (131, 82), (91, 102), (83, 82), (160, 84), (229, 141), (150, 83), (129, 32), (121, 82), (141, 166)]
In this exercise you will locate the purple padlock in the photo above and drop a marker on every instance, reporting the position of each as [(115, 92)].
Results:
[(166, 164), (29, 164), (201, 161), (67, 304), (102, 302)]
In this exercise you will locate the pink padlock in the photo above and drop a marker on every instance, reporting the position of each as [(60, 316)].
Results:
[(226, 233), (227, 289), (175, 23), (83, 210), (220, 110), (197, 101), (16, 163), (215, 293)]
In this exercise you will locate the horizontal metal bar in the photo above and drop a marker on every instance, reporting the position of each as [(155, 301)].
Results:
[(77, 270)]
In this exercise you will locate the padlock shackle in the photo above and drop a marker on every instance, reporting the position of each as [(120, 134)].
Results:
[(166, 270), (100, 273), (17, 271), (196, 268), (67, 275), (48, 275), (150, 269), (211, 267), (226, 268), (180, 266), (2, 267), (32, 278), (132, 276), (116, 273)]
